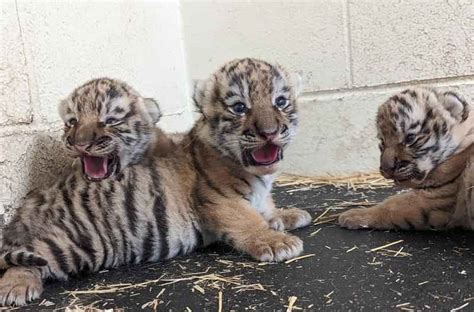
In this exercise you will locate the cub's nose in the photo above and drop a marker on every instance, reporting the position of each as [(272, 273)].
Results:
[(388, 164), (387, 168), (100, 142), (268, 134), (82, 147)]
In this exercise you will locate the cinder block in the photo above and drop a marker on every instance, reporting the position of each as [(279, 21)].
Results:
[(395, 41), (15, 106), (179, 122), (70, 43), (305, 36), (336, 135)]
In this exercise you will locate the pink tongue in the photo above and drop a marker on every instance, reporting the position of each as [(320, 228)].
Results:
[(266, 154), (95, 167)]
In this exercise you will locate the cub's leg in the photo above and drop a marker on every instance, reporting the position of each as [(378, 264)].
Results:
[(412, 210), (237, 223), (464, 215), (286, 219), (469, 186), (20, 285)]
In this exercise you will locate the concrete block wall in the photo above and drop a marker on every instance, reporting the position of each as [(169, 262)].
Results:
[(47, 49), (352, 55)]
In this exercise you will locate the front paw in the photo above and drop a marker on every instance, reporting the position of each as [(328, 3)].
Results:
[(289, 219), (359, 218), (18, 286), (275, 247)]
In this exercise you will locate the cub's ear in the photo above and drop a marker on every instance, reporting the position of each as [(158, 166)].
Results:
[(456, 105), (297, 83), (199, 93), (65, 110), (153, 109), (62, 109), (293, 78)]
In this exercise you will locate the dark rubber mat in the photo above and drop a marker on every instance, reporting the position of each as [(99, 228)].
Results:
[(422, 271)]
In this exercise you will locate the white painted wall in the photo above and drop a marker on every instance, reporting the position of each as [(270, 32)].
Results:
[(47, 49), (351, 54)]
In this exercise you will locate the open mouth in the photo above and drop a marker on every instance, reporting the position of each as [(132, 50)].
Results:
[(96, 168), (265, 155), (392, 176), (402, 178)]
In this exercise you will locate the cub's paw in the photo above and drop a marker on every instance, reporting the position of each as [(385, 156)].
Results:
[(359, 218), (20, 285), (289, 219), (275, 247)]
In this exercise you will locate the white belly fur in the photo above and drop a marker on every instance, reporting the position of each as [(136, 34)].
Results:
[(261, 188)]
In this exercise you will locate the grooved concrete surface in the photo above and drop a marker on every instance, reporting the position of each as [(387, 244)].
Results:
[(426, 271)]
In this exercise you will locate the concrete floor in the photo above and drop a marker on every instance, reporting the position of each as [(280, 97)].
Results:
[(432, 271)]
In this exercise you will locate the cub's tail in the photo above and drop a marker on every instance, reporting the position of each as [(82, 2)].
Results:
[(21, 258)]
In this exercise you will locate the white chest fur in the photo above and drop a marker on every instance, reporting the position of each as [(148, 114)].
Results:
[(261, 188)]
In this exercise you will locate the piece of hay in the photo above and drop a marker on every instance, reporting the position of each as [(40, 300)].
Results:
[(234, 280), (89, 308), (321, 215), (200, 289), (111, 288), (291, 303), (220, 301), (349, 204), (315, 232), (242, 288), (352, 249), (402, 304), (386, 245), (394, 253), (362, 180), (328, 219), (46, 303), (155, 302), (460, 307), (299, 258)]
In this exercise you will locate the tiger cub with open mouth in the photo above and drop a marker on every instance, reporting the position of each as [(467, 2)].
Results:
[(426, 142), (138, 195)]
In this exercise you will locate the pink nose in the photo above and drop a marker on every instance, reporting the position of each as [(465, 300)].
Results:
[(82, 147), (269, 137), (268, 134)]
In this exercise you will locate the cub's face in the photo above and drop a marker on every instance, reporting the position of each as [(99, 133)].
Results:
[(249, 113), (108, 126), (419, 129)]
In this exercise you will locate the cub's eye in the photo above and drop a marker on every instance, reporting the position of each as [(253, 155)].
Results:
[(71, 122), (239, 108), (410, 138), (281, 102), (111, 121)]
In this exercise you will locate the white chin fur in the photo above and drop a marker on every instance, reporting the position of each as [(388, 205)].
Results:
[(264, 170), (425, 165)]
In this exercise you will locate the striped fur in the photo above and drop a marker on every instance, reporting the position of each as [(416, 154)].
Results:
[(427, 144), (137, 195)]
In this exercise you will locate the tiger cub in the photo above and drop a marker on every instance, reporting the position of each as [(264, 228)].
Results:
[(137, 195), (426, 142)]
